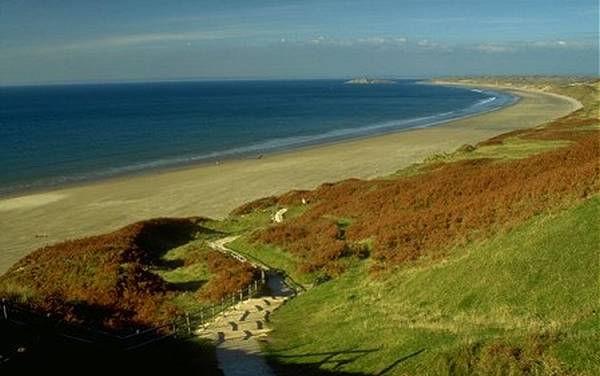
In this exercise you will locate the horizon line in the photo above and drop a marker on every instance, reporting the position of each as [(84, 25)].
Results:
[(313, 78)]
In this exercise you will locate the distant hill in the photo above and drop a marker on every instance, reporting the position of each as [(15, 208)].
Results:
[(368, 81)]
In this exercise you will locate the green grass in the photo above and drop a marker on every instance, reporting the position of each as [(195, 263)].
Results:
[(191, 277), (197, 272), (296, 211), (236, 224), (534, 289), (593, 127), (273, 257), (188, 279), (239, 224), (511, 148)]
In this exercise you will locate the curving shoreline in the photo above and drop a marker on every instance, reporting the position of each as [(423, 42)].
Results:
[(31, 221), (71, 176)]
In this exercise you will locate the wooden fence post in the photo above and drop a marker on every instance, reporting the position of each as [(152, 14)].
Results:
[(189, 324)]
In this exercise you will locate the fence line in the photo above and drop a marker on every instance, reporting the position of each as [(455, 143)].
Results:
[(258, 264), (181, 326)]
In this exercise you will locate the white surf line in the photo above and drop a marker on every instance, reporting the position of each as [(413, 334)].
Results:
[(278, 217)]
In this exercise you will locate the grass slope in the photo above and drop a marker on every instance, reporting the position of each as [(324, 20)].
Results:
[(521, 302)]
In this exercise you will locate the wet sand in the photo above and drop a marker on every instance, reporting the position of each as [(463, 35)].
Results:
[(34, 220)]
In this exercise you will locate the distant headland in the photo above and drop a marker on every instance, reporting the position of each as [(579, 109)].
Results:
[(368, 81)]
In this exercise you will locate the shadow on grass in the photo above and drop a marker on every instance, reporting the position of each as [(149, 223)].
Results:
[(389, 368), (328, 363), (25, 351), (158, 236), (170, 264), (35, 350), (190, 286)]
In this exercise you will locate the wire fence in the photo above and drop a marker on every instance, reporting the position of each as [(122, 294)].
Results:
[(258, 264), (182, 326)]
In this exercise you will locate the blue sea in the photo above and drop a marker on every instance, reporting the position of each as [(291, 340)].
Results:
[(56, 135)]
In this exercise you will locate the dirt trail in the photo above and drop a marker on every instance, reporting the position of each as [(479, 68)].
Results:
[(278, 217), (238, 331)]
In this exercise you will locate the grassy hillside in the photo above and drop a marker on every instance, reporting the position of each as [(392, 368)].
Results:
[(481, 261), (426, 209), (138, 276), (526, 300)]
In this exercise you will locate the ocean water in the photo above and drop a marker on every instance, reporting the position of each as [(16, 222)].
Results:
[(54, 135)]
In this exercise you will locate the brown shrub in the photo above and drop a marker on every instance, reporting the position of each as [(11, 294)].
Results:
[(293, 197), (466, 148), (260, 204), (318, 243), (498, 140), (228, 276), (103, 280), (409, 216), (527, 356)]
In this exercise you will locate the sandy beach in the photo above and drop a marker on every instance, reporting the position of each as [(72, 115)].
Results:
[(32, 221)]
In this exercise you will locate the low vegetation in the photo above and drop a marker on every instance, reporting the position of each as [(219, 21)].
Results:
[(229, 276), (485, 261), (467, 195), (141, 275), (522, 302), (480, 261)]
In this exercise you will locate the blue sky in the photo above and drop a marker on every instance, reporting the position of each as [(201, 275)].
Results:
[(88, 40)]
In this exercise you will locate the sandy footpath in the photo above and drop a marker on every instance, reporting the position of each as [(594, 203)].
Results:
[(29, 222)]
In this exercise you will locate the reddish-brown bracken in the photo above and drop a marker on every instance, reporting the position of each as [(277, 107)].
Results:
[(103, 280), (408, 217)]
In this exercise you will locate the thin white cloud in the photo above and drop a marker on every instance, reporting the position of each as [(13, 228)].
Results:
[(134, 40), (373, 40), (550, 43), (427, 43), (538, 44), (363, 41), (148, 38), (494, 48), (320, 40)]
